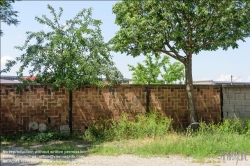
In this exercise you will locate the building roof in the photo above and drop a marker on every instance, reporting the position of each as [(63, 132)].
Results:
[(211, 82), (3, 77), (14, 80), (3, 81)]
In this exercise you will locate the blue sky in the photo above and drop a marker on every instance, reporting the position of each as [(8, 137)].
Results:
[(217, 65)]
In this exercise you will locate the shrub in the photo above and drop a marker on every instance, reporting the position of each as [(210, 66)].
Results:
[(228, 126), (149, 125), (36, 137)]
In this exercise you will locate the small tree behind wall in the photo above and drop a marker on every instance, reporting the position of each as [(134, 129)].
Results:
[(152, 69), (70, 55), (149, 72)]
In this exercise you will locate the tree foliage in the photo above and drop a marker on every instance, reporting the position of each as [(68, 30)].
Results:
[(174, 73), (7, 14), (174, 26), (71, 54), (180, 29), (150, 71)]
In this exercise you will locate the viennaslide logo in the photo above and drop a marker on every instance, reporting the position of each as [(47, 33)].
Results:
[(234, 157)]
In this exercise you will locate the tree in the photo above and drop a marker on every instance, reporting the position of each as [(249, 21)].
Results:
[(150, 72), (7, 14), (180, 29), (174, 73), (70, 55)]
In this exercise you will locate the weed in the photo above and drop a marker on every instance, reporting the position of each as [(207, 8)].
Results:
[(198, 146), (149, 135), (228, 126), (208, 140), (148, 125), (35, 138)]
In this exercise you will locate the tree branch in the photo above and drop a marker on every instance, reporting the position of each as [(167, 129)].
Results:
[(181, 59), (176, 54)]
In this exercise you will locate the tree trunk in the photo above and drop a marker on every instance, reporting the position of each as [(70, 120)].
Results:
[(147, 99), (190, 89), (70, 112)]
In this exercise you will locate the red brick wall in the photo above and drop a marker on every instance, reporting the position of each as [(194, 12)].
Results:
[(37, 103)]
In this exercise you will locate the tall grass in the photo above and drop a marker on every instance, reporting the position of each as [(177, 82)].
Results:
[(149, 125), (209, 140), (150, 135), (228, 126), (195, 146)]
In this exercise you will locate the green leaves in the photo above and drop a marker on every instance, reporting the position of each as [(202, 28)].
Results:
[(174, 73), (187, 25), (180, 29), (7, 14), (70, 55), (151, 71)]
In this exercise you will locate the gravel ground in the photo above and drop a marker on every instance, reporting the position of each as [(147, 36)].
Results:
[(123, 160), (130, 160), (19, 159)]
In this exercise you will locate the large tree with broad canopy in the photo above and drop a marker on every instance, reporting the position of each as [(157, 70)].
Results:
[(180, 29)]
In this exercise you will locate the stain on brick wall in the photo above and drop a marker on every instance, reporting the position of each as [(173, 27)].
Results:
[(40, 103)]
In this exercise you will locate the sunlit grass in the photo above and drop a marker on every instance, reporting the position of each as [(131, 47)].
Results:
[(196, 146), (148, 135)]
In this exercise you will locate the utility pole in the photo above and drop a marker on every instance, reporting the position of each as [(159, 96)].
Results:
[(234, 80)]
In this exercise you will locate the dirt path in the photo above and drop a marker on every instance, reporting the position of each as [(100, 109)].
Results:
[(25, 157), (123, 160)]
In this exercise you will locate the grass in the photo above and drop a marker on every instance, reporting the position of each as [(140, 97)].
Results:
[(64, 148), (30, 139), (143, 126), (197, 146), (149, 135)]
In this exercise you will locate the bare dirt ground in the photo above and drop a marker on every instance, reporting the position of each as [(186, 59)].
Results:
[(22, 157)]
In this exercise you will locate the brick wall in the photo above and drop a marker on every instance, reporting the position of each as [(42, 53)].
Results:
[(40, 103), (236, 101)]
